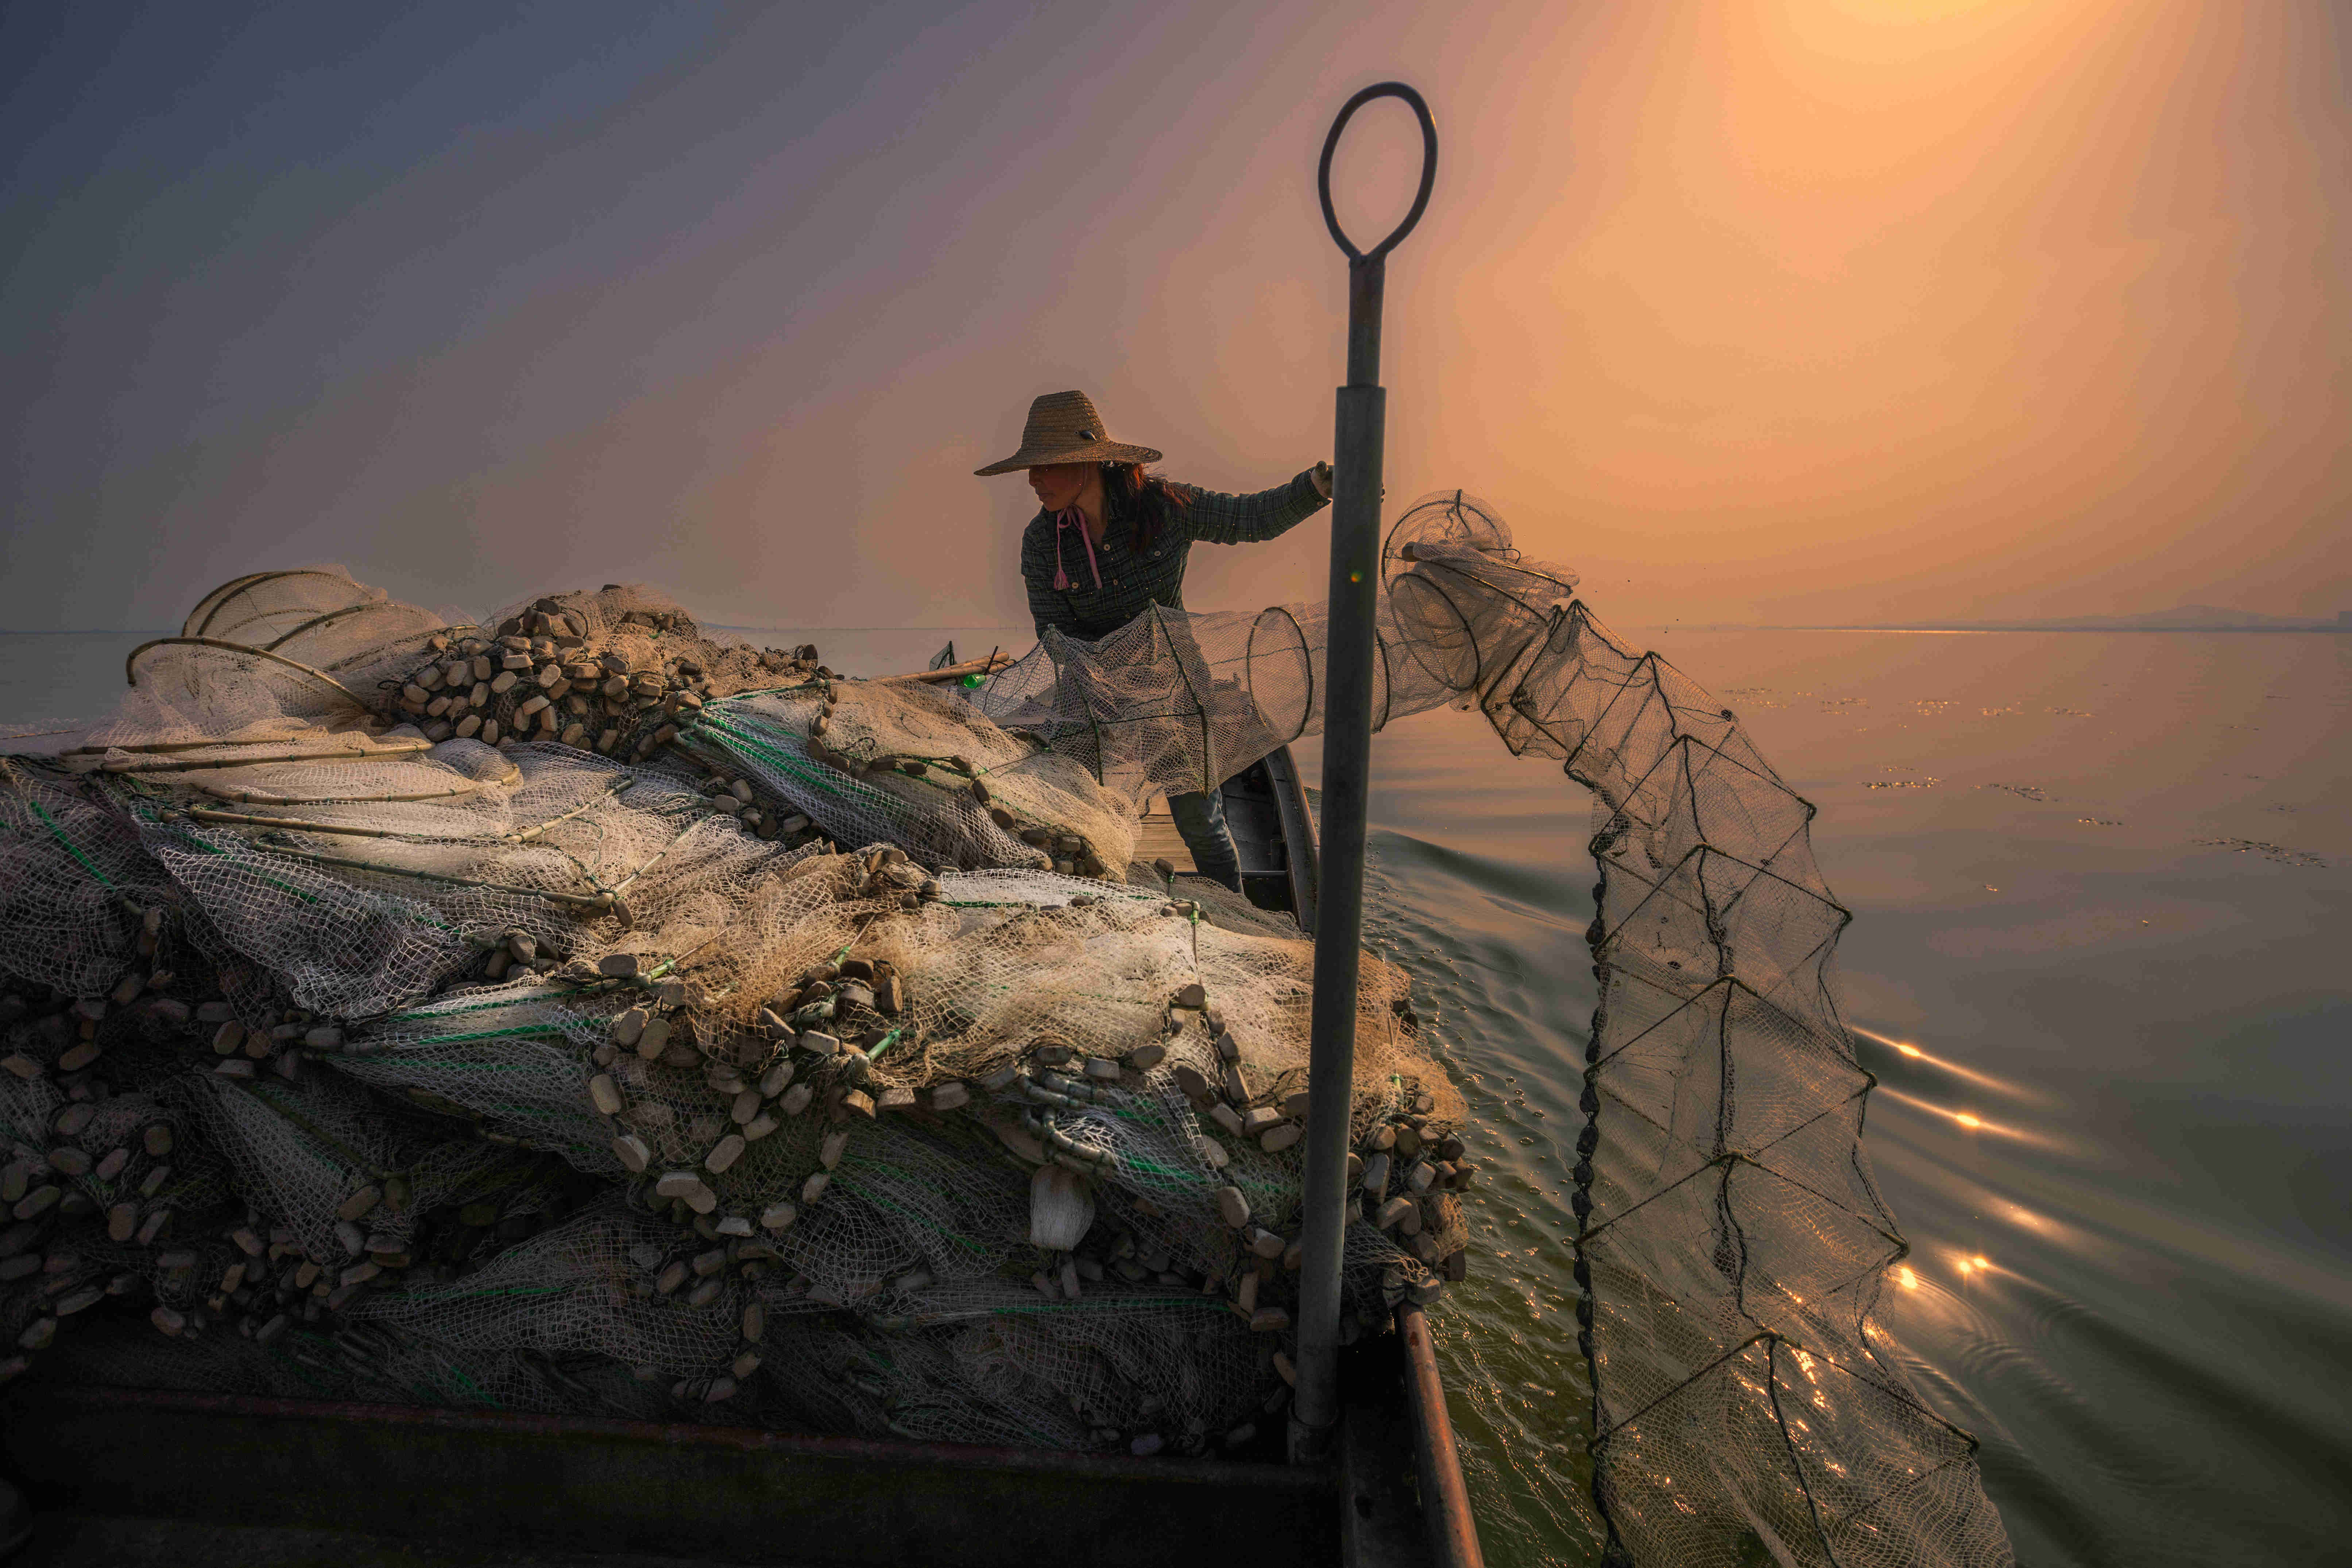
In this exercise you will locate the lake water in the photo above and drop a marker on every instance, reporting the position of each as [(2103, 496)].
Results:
[(2103, 891)]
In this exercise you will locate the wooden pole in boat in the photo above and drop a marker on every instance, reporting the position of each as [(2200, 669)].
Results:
[(1346, 763)]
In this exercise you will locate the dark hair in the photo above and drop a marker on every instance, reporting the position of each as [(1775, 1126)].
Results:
[(1131, 491)]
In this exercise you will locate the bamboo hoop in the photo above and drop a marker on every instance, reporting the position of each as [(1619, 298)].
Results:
[(313, 624), (167, 762), (130, 672), (351, 830), (461, 788), (296, 825), (210, 605), (988, 665), (605, 903), (144, 747), (201, 617)]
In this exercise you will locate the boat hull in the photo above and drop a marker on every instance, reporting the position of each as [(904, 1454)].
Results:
[(133, 1475)]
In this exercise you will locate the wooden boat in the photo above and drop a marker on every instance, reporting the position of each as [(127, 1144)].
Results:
[(130, 1477)]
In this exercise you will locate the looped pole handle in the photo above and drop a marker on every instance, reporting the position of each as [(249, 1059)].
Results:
[(1428, 168)]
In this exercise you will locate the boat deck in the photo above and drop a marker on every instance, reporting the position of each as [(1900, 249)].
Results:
[(1158, 839)]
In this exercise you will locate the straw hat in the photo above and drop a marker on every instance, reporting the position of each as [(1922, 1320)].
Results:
[(1064, 429)]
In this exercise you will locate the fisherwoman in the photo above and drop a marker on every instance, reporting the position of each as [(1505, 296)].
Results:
[(1111, 537)]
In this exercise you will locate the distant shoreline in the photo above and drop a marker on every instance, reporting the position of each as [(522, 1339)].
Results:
[(708, 626), (1947, 629)]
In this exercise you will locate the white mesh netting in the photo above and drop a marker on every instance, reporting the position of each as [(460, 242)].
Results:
[(486, 1016), (368, 1048)]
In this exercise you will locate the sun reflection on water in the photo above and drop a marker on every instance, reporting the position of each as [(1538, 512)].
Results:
[(1968, 1120), (1911, 1052)]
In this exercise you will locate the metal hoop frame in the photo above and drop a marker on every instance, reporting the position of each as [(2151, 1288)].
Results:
[(1413, 100)]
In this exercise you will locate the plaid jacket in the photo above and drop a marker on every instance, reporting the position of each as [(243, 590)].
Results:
[(1131, 578)]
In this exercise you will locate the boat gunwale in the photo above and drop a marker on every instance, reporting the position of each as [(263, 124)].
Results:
[(897, 1452)]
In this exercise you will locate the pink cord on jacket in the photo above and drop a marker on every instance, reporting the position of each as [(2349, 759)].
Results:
[(1071, 517)]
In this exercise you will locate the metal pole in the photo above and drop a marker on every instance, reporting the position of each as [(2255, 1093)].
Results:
[(1347, 766)]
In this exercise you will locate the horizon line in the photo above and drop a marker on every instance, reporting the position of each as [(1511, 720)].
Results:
[(2336, 627), (714, 626), (2322, 627)]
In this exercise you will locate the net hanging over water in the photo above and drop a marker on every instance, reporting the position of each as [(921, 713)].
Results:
[(486, 1016), (1732, 1243)]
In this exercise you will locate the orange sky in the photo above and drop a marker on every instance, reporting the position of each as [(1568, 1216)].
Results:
[(1850, 309)]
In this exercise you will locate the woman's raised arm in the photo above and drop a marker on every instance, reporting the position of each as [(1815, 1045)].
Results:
[(1215, 518)]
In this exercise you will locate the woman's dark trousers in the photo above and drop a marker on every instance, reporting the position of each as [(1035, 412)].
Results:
[(1200, 818)]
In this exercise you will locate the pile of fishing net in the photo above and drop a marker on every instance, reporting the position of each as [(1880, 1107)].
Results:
[(343, 1054), (382, 1026)]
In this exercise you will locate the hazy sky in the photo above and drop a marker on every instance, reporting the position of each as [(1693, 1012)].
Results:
[(1772, 310)]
